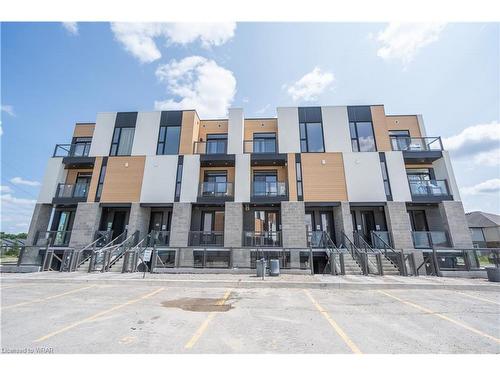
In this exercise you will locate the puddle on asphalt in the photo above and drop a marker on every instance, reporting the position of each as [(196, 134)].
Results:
[(198, 304)]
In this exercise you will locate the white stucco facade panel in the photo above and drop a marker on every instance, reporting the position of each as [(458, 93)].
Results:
[(146, 133), (242, 178), (363, 177), (398, 178), (190, 178), (103, 133), (235, 131), (336, 129), (444, 171), (54, 174), (288, 130), (158, 184)]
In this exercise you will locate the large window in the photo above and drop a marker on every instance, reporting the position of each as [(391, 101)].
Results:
[(311, 137), (362, 138), (122, 141), (216, 143), (264, 143), (168, 140), (265, 183)]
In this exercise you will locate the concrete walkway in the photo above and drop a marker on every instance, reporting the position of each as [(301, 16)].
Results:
[(352, 282)]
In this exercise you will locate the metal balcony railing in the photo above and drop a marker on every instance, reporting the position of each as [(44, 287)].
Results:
[(262, 239), (430, 239), (216, 189), (159, 238), (416, 144), (380, 239), (78, 190), (218, 146), (428, 188), (80, 149), (269, 189), (260, 146), (206, 238)]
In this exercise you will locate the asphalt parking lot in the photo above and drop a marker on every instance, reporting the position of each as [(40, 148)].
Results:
[(68, 317)]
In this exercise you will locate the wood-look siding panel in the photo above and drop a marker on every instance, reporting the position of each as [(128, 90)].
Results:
[(292, 178), (83, 130), (405, 122), (323, 182), (212, 127), (123, 181), (260, 126), (189, 132), (380, 128), (95, 179)]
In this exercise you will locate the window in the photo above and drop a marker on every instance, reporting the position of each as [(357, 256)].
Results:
[(298, 173), (168, 140), (264, 143), (81, 146), (418, 221), (385, 176), (311, 137), (400, 139), (178, 178), (422, 174), (265, 183), (100, 183), (216, 143), (122, 141), (215, 183), (477, 235), (362, 138)]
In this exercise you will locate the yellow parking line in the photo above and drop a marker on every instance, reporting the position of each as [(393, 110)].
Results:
[(95, 316), (478, 298), (442, 316), (334, 324), (203, 327), (46, 298)]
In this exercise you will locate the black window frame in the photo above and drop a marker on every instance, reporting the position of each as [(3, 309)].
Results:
[(163, 142), (356, 137), (260, 136), (387, 182), (117, 143)]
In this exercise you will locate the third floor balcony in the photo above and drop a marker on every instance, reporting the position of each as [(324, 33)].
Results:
[(71, 193), (269, 191), (429, 190), (418, 149), (75, 155), (215, 191), (213, 152)]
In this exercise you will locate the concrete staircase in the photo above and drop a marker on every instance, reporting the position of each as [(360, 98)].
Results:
[(117, 266), (388, 267), (350, 265)]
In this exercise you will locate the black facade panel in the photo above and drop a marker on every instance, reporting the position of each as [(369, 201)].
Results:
[(171, 118), (126, 119), (359, 113), (310, 114)]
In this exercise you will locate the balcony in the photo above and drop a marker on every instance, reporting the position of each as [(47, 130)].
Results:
[(71, 193), (430, 240), (206, 238), (213, 153), (75, 155), (422, 150), (269, 191), (262, 239), (429, 190), (264, 152), (215, 192)]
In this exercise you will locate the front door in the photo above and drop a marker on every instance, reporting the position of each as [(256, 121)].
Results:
[(63, 226), (368, 224), (118, 226), (156, 221), (327, 224)]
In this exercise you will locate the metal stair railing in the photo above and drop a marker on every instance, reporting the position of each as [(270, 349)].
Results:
[(386, 248), (101, 258), (358, 255), (360, 242), (334, 254), (80, 258), (135, 256), (116, 252)]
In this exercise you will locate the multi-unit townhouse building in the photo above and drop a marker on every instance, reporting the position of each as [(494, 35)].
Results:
[(352, 172)]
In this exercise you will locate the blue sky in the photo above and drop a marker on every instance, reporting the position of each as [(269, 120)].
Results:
[(53, 75)]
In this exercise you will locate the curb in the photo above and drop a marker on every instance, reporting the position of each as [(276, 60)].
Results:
[(259, 284)]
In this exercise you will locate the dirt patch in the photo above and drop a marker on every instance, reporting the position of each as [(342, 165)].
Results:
[(198, 304)]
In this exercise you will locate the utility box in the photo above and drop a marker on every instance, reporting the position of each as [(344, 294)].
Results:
[(274, 267), (261, 267)]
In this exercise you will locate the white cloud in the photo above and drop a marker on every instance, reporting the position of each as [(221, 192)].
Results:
[(139, 38), (71, 27), (480, 143), (5, 189), (16, 213), (486, 187), (310, 86), (402, 41), (197, 83), (7, 108), (22, 181), (263, 110)]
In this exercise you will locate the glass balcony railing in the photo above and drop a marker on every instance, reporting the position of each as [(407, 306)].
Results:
[(262, 239), (216, 189), (260, 146), (206, 238), (429, 188), (78, 190), (269, 189), (53, 238), (210, 147), (80, 149), (416, 144), (430, 239)]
